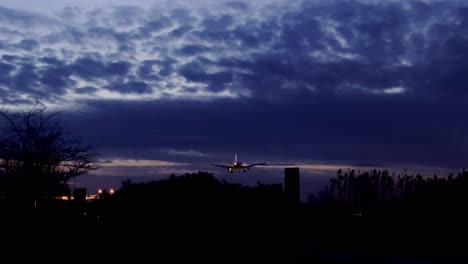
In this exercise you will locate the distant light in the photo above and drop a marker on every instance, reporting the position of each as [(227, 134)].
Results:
[(100, 191), (111, 191)]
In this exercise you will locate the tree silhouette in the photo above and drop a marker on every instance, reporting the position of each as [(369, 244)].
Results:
[(381, 189), (36, 158)]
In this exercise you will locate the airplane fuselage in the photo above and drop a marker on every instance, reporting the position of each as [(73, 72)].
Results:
[(238, 165)]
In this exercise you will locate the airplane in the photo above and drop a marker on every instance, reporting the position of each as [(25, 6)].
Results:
[(238, 165)]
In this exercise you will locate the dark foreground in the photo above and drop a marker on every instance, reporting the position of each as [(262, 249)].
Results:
[(283, 233), (196, 217)]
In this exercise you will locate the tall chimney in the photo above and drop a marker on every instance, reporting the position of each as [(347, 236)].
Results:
[(291, 185)]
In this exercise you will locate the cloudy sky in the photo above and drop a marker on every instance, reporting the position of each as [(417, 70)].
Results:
[(171, 86)]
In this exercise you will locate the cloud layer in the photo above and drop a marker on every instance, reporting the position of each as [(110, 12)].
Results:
[(234, 49)]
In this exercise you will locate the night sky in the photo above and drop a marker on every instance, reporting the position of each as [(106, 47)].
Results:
[(170, 86)]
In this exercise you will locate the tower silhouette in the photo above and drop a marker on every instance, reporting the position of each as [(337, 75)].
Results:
[(292, 185)]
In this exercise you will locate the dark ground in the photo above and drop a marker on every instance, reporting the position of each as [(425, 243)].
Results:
[(287, 234)]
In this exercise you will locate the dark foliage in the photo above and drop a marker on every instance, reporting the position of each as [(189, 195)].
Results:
[(370, 217), (380, 189), (37, 159)]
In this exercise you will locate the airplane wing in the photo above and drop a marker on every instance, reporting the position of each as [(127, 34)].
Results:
[(222, 166), (255, 164)]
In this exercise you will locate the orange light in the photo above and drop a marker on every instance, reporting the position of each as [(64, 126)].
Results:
[(99, 191), (111, 191)]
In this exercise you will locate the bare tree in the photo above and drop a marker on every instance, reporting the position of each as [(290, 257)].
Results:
[(36, 158)]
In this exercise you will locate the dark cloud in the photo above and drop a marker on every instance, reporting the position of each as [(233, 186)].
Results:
[(254, 34), (71, 35), (180, 31), (18, 60), (15, 17), (123, 39), (26, 79), (155, 69), (69, 13), (300, 31), (237, 5), (86, 90), (182, 16), (190, 50), (13, 99), (217, 24), (126, 15), (52, 61), (56, 76), (195, 72), (365, 129), (89, 68), (118, 68), (155, 26), (130, 87), (54, 82), (28, 44), (5, 69), (146, 70)]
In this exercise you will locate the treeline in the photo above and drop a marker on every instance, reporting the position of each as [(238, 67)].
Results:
[(379, 189), (190, 191), (194, 214)]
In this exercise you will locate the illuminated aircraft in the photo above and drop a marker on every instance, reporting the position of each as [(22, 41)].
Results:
[(238, 165)]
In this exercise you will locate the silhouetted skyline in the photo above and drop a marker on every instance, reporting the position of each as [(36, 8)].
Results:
[(371, 216)]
